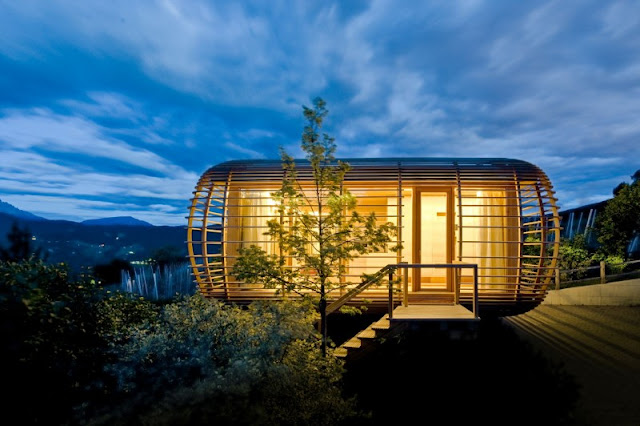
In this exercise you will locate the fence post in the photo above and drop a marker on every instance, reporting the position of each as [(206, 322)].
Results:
[(603, 278), (557, 278)]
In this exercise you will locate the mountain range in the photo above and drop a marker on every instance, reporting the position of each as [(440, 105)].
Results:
[(93, 242), (14, 211), (117, 220)]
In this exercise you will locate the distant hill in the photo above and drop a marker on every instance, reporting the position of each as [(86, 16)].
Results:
[(84, 245), (14, 211), (118, 220)]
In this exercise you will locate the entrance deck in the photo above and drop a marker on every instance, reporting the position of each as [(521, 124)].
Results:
[(403, 317), (435, 312)]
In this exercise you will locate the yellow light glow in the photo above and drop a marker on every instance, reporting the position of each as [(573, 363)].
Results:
[(478, 193), (270, 201)]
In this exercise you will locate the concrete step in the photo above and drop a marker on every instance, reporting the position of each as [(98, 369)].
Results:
[(364, 340), (383, 324), (341, 352), (368, 333), (353, 343)]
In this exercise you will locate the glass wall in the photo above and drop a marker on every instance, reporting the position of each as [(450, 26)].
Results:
[(433, 244), (489, 229), (248, 211), (384, 204), (490, 237)]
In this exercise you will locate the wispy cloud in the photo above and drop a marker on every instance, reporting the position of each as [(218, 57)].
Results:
[(46, 154), (142, 97), (48, 131)]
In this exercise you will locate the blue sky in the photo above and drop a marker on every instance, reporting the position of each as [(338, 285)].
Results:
[(116, 108)]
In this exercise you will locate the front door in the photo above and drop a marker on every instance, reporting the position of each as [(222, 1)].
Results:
[(433, 222)]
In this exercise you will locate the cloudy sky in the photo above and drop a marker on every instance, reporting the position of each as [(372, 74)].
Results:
[(111, 108)]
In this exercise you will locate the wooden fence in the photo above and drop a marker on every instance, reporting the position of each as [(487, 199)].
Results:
[(600, 277)]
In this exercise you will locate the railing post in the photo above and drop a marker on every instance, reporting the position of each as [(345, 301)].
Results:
[(456, 285), (390, 293), (603, 277), (475, 290), (405, 286), (557, 278)]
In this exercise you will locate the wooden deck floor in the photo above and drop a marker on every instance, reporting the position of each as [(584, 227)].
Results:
[(435, 312)]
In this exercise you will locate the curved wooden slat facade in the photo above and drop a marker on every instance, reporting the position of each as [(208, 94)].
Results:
[(498, 213)]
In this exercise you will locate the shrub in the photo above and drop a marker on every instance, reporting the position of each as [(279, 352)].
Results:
[(56, 332), (614, 264), (574, 254), (206, 362), (89, 356)]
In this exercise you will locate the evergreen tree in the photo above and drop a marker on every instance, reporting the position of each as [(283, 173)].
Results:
[(20, 246)]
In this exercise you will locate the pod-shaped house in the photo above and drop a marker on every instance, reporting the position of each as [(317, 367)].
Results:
[(499, 214)]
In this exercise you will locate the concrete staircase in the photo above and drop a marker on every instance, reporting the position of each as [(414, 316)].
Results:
[(367, 339)]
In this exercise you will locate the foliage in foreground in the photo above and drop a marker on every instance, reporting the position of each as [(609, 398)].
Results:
[(77, 354), (56, 334), (206, 362)]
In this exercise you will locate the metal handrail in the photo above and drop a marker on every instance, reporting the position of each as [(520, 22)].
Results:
[(391, 268), (334, 306)]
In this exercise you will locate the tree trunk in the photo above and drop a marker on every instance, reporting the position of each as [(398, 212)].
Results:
[(323, 323)]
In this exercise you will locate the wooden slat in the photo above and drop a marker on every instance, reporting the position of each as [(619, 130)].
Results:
[(525, 186)]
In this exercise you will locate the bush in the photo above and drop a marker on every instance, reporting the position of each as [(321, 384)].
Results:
[(111, 273), (48, 329), (614, 264), (56, 333), (206, 362), (75, 353), (574, 254)]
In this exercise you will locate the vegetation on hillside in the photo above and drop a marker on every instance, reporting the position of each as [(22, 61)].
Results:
[(83, 246), (19, 245), (620, 221), (615, 228)]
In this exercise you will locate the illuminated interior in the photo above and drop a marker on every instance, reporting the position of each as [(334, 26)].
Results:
[(497, 213), (432, 245), (490, 237)]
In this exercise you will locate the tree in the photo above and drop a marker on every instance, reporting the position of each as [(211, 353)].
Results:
[(620, 220), (167, 255), (20, 247), (318, 226), (111, 273)]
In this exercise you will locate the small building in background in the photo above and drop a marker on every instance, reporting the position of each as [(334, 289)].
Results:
[(581, 221)]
